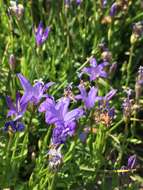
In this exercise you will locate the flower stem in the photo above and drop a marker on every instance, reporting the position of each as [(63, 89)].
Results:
[(53, 186), (129, 66)]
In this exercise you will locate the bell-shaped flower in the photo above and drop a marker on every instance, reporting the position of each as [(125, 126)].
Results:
[(89, 98), (41, 35), (95, 71), (34, 93), (18, 109), (63, 119)]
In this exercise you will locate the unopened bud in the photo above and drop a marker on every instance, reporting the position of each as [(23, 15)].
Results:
[(106, 56), (134, 38), (112, 69), (139, 83), (12, 61)]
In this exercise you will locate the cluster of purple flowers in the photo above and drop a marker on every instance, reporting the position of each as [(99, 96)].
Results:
[(58, 113), (32, 94)]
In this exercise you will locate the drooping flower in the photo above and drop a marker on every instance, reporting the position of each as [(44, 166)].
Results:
[(89, 98), (41, 35), (17, 109), (64, 120), (34, 93), (95, 71), (14, 126)]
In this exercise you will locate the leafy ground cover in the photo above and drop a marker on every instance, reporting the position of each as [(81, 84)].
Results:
[(71, 99)]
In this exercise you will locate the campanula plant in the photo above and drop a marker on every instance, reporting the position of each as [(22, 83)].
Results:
[(78, 132)]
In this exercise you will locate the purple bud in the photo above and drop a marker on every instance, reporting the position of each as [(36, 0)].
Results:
[(132, 162), (113, 9)]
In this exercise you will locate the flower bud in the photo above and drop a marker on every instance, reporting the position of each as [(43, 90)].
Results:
[(139, 83), (137, 32), (12, 61), (134, 38), (132, 162), (112, 69), (114, 9), (106, 56)]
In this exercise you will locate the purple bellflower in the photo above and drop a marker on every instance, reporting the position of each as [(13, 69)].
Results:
[(17, 109), (64, 120), (34, 93), (95, 71), (41, 35), (89, 98)]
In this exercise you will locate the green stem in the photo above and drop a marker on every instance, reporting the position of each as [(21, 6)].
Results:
[(53, 186), (117, 125), (129, 66)]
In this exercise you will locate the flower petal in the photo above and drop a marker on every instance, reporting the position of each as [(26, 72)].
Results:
[(24, 83)]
